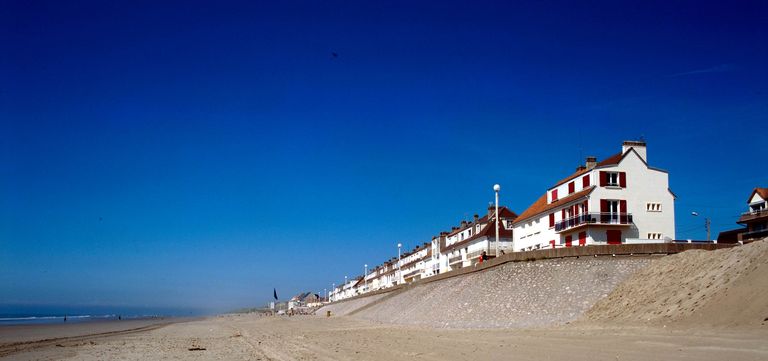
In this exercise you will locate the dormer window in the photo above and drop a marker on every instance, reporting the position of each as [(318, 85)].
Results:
[(554, 195)]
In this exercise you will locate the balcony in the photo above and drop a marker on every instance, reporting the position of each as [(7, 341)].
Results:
[(750, 216), (454, 259), (754, 234), (621, 219)]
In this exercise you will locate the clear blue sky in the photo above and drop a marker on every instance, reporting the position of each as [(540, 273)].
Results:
[(200, 154)]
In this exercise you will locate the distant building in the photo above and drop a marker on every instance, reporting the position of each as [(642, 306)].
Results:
[(619, 200), (463, 246), (755, 219)]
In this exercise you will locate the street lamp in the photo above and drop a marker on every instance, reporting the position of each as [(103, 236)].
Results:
[(333, 290), (399, 274), (707, 223), (365, 278), (497, 188)]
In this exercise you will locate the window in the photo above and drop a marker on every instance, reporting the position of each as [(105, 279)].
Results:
[(551, 219), (653, 207), (571, 187), (585, 181), (653, 235), (613, 179), (554, 195)]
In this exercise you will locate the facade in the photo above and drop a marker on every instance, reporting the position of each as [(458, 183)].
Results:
[(755, 219), (413, 263), (618, 200), (463, 246)]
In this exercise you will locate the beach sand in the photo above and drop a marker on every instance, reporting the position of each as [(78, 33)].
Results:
[(253, 337)]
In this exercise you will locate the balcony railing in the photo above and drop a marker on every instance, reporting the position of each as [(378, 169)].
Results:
[(454, 259), (751, 215), (755, 234), (594, 218)]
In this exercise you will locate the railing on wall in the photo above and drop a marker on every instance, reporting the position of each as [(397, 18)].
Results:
[(602, 218)]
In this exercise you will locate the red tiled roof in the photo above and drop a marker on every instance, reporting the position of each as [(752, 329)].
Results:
[(763, 192), (541, 205), (572, 176), (612, 160)]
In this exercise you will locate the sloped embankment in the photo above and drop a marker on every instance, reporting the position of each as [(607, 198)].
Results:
[(346, 307), (726, 287), (521, 294)]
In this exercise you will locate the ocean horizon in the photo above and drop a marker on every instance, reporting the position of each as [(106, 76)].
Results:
[(53, 314)]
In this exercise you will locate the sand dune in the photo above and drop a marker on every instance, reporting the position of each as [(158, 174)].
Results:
[(727, 287)]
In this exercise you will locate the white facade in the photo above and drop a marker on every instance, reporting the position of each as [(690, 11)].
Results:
[(618, 200), (464, 245)]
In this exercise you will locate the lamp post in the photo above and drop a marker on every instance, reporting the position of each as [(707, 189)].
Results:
[(333, 289), (365, 278), (707, 223), (325, 291), (497, 188), (399, 274)]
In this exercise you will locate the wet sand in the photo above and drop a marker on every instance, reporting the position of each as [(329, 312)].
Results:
[(251, 337)]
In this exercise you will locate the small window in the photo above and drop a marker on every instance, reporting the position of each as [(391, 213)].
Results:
[(554, 195), (653, 207), (613, 179), (571, 187), (654, 235)]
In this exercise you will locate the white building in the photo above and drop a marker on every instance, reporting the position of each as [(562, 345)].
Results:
[(413, 263), (463, 246), (619, 200)]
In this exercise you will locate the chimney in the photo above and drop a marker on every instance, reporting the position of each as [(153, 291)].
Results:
[(591, 162), (476, 218), (637, 145), (581, 168), (463, 224)]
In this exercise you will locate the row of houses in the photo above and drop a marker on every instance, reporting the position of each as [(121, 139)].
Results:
[(619, 200)]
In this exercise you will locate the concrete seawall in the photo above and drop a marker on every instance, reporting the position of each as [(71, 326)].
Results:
[(515, 294)]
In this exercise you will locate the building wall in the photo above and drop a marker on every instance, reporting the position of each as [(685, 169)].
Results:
[(644, 185)]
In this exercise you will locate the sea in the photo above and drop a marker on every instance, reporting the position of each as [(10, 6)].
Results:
[(47, 314)]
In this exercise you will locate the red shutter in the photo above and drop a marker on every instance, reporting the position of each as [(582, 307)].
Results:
[(554, 195), (623, 206), (585, 181), (568, 240), (603, 179), (586, 207), (571, 187), (603, 206), (552, 243), (563, 218), (582, 238), (551, 219), (623, 180)]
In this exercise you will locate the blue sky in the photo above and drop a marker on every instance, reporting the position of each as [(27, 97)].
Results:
[(199, 154)]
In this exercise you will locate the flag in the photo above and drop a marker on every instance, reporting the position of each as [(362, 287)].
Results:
[(275, 292)]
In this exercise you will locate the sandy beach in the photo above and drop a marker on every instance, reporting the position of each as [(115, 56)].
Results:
[(252, 337)]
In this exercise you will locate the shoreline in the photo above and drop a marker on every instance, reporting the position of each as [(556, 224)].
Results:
[(24, 338)]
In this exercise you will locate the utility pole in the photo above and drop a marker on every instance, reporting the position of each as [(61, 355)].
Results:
[(707, 224)]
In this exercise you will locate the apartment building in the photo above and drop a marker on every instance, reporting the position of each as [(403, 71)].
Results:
[(465, 243), (621, 199)]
